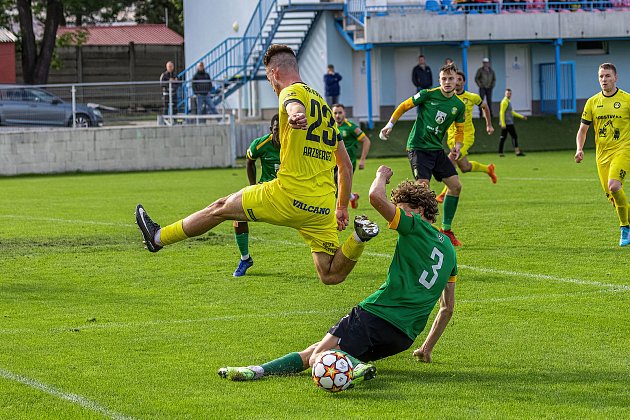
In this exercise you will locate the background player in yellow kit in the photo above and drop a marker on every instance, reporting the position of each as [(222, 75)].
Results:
[(470, 100), (609, 112), (303, 194)]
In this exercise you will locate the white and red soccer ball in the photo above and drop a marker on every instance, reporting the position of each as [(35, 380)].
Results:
[(332, 371)]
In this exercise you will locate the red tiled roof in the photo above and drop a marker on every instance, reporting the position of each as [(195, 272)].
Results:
[(124, 34), (7, 36)]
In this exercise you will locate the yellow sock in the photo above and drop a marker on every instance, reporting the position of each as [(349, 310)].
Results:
[(352, 249), (621, 205), (173, 233), (444, 191), (478, 167)]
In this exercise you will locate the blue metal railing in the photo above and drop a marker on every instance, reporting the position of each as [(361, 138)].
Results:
[(355, 10), (358, 10), (233, 60), (549, 89)]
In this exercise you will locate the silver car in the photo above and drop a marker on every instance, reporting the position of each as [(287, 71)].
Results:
[(25, 105)]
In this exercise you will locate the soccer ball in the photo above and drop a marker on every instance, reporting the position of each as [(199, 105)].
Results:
[(332, 371)]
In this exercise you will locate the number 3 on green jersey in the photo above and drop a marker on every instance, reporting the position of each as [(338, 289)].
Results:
[(436, 253)]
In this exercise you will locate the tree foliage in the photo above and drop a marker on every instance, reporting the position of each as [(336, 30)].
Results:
[(155, 12), (38, 54)]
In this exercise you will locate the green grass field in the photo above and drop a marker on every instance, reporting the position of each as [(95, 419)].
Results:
[(93, 326)]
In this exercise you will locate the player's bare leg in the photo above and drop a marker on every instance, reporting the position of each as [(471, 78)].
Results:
[(155, 237), (226, 208), (333, 269), (621, 206)]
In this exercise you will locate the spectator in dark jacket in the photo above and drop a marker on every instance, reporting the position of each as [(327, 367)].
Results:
[(169, 83), (331, 81), (486, 80), (421, 76), (202, 88)]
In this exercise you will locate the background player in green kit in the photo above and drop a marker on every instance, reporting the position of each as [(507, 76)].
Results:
[(438, 108), (267, 149), (352, 135), (388, 321)]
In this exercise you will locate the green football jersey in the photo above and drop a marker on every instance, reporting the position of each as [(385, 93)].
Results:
[(269, 155), (423, 263), (435, 116), (351, 139)]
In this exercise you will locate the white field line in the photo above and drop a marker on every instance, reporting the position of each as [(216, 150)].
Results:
[(73, 398), (53, 219), (383, 255), (466, 178)]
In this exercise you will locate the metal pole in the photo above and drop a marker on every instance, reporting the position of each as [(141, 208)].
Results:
[(170, 98), (558, 43), (74, 106), (368, 63), (465, 46)]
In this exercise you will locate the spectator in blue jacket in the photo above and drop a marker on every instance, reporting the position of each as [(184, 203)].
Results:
[(331, 81)]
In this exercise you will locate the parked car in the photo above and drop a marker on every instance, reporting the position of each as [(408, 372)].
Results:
[(25, 105)]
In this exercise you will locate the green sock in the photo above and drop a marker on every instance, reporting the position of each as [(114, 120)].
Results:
[(450, 207), (285, 365), (353, 359), (242, 240)]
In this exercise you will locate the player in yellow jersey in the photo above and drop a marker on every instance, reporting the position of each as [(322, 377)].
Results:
[(609, 112), (303, 194), (470, 100)]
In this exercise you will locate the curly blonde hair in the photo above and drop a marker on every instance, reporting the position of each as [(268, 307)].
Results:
[(417, 196)]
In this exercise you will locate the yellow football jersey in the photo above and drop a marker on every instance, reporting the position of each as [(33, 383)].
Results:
[(307, 157), (610, 116), (470, 100)]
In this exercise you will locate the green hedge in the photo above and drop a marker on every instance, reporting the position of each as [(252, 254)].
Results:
[(540, 133)]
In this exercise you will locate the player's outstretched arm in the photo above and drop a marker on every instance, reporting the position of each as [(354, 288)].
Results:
[(378, 194), (447, 306), (364, 151), (400, 110), (250, 166), (580, 139), (344, 180), (485, 109)]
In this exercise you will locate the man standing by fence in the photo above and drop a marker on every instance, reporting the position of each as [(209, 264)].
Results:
[(202, 88), (169, 83), (486, 80)]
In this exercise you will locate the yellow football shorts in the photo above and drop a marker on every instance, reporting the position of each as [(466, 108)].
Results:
[(468, 142), (615, 166), (313, 217)]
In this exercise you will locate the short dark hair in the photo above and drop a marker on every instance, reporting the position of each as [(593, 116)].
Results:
[(330, 66), (421, 56), (461, 73), (448, 68), (418, 196), (608, 66), (278, 50), (508, 89), (275, 117), (339, 105)]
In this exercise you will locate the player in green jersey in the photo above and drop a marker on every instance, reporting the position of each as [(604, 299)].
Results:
[(438, 108), (352, 135), (267, 149), (388, 321)]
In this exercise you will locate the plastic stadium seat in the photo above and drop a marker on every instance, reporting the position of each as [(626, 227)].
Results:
[(433, 6)]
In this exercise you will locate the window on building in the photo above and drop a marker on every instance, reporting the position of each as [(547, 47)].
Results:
[(592, 47)]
